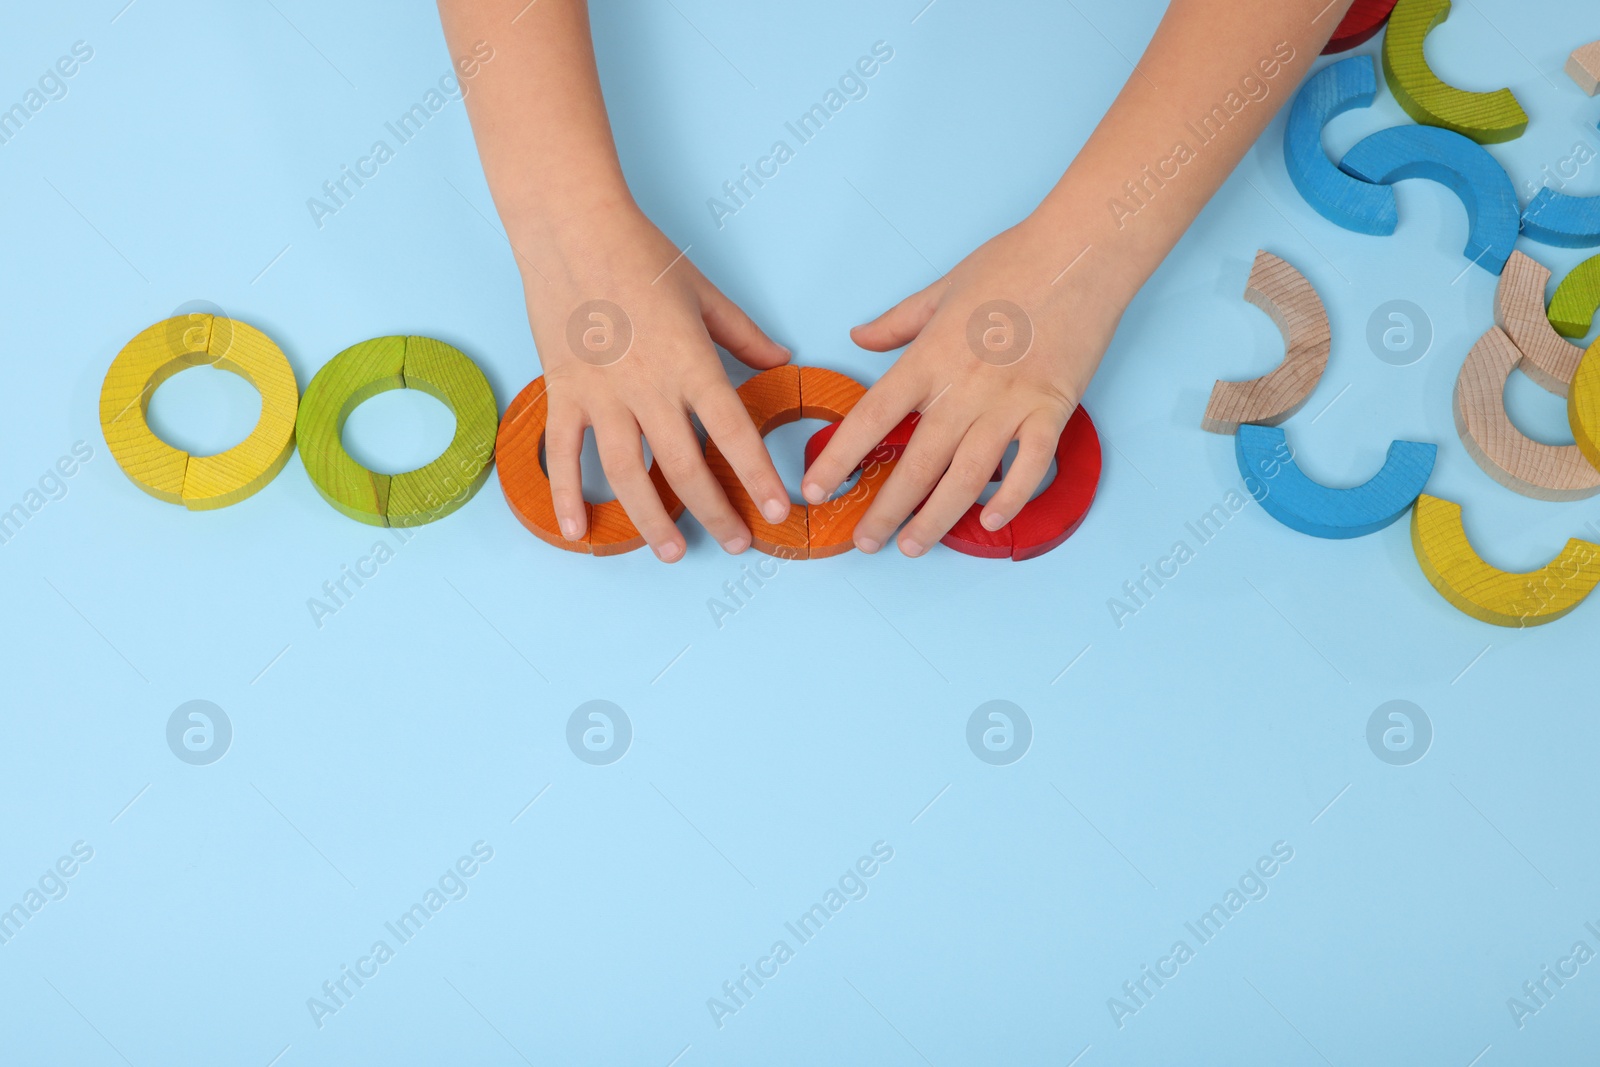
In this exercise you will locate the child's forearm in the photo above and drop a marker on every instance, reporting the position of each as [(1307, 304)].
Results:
[(1211, 79), (538, 116)]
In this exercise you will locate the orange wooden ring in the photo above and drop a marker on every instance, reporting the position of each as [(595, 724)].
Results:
[(607, 532)]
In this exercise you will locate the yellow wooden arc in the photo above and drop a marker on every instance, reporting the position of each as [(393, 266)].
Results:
[(1583, 405), (1487, 593)]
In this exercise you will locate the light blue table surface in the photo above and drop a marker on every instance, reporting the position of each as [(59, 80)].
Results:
[(827, 717)]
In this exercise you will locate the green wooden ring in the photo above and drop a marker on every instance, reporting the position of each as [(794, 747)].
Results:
[(1576, 299), (361, 372)]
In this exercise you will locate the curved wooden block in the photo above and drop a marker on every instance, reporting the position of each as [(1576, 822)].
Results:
[(1583, 67), (1506, 454), (158, 352), (773, 399), (1583, 405), (1464, 167), (1336, 196), (1487, 593), (607, 529), (1485, 117), (359, 372), (1519, 311), (1283, 293), (1576, 299), (1554, 218), (826, 394), (1359, 25), (1286, 494)]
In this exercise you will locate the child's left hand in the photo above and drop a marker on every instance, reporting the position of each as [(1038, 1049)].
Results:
[(1001, 350)]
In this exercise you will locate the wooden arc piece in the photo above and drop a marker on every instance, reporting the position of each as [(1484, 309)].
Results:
[(1467, 169), (158, 352), (1562, 221), (1336, 196), (1284, 294), (1506, 454), (1487, 593), (1583, 405), (1583, 67), (1519, 310), (607, 529), (1288, 495), (772, 399), (354, 375), (830, 525), (1485, 117), (1576, 299), (1359, 25)]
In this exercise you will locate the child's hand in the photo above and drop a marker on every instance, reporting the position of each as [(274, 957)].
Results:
[(640, 366), (1001, 350)]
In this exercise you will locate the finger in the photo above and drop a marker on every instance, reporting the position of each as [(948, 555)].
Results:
[(885, 404), (925, 461), (1036, 447), (677, 450), (563, 452), (617, 435), (970, 470), (728, 424), (731, 328), (901, 323)]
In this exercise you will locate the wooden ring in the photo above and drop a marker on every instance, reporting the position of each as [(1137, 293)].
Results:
[(607, 529), (158, 352), (418, 496)]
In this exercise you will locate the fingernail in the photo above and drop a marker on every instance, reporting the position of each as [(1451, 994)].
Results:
[(775, 510), (813, 493), (569, 529), (992, 520), (668, 552), (909, 547), (785, 351), (735, 545), (867, 545)]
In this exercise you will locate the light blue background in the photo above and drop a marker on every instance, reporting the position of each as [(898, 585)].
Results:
[(826, 715)]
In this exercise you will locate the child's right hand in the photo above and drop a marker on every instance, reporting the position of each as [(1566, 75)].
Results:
[(639, 364)]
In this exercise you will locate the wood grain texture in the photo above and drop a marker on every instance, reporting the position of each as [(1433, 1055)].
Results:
[(1360, 24), (522, 476), (359, 372), (152, 356), (1576, 299), (1583, 405), (1487, 118), (830, 525), (437, 488), (1288, 495), (1583, 67), (1519, 310), (773, 399), (1487, 593), (1336, 196), (1462, 166), (1506, 454), (241, 471), (1563, 221), (1284, 294)]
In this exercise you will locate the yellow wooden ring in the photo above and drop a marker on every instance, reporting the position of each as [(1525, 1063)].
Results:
[(162, 350)]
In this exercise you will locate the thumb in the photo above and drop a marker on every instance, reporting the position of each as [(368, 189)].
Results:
[(901, 323), (731, 328)]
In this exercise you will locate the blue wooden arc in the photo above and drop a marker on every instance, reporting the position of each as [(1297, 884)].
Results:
[(1285, 493), (1336, 196)]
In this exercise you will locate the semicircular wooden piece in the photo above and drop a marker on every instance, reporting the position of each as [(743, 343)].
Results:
[(1583, 405), (1519, 311), (1336, 196), (1284, 492), (1506, 454), (1283, 293), (1504, 598), (1576, 299), (1484, 117), (1564, 221)]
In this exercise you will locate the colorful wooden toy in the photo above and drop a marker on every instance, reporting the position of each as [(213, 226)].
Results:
[(773, 399), (1519, 311), (1485, 117), (1285, 493), (363, 371), (893, 444), (1583, 67), (1583, 405), (518, 446), (162, 350), (1364, 19), (1576, 299), (1336, 196), (1486, 593), (826, 394), (1554, 218), (1466, 168), (1283, 293), (1506, 454)]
